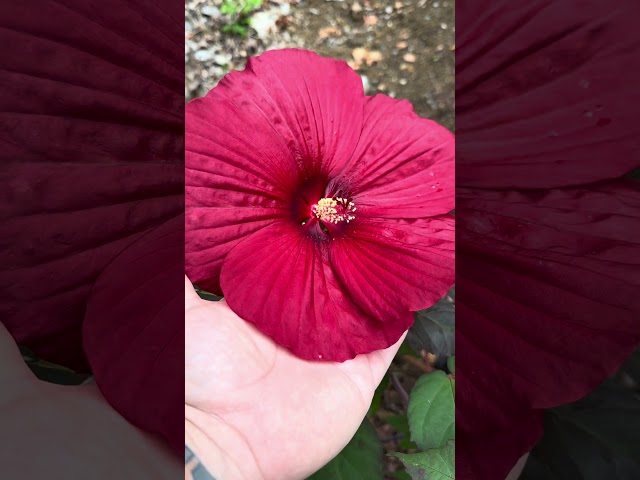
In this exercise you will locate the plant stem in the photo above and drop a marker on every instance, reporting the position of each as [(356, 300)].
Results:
[(401, 391)]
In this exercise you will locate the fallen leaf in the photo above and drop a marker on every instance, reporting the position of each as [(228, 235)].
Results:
[(362, 55), (327, 32)]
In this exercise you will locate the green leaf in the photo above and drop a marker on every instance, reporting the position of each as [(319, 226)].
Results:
[(400, 424), (434, 464), (361, 459), (632, 366), (251, 5), (401, 475), (229, 7), (206, 295), (434, 327), (594, 438), (451, 364), (51, 372), (235, 28), (377, 396), (431, 410)]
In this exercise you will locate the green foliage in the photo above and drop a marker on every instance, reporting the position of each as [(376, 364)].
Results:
[(400, 423), (206, 295), (434, 327), (451, 364), (433, 464), (377, 396), (239, 11), (431, 410), (51, 372), (361, 459), (401, 475), (594, 438)]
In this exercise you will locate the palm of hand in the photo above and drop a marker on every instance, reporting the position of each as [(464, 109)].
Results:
[(289, 415)]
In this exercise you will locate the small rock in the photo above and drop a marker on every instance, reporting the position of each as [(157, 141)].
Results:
[(203, 55), (327, 32), (370, 20), (388, 10), (211, 11), (222, 59), (265, 22), (409, 58), (403, 81), (356, 8), (401, 45)]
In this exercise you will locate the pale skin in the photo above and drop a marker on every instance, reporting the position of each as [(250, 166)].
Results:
[(254, 411), (58, 431)]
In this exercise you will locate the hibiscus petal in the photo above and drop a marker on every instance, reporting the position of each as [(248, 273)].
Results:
[(314, 104), (560, 312), (403, 166), (133, 332), (543, 93), (252, 141), (390, 266), (282, 281), (492, 454)]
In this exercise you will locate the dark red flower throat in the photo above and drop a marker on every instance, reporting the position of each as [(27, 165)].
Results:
[(322, 208)]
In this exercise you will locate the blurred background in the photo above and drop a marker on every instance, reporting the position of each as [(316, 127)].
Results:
[(403, 48)]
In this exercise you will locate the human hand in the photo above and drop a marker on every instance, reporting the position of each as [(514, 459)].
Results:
[(59, 431), (254, 411)]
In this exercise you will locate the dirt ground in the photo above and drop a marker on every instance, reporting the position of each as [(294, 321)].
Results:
[(403, 48)]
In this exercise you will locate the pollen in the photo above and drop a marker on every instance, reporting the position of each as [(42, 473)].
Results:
[(334, 210)]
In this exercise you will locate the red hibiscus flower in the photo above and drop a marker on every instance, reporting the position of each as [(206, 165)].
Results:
[(322, 215)]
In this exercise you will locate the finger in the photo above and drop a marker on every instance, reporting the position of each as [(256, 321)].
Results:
[(12, 365), (381, 360), (518, 468), (366, 371), (191, 298)]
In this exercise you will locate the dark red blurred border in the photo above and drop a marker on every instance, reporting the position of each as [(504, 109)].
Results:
[(91, 166), (547, 215)]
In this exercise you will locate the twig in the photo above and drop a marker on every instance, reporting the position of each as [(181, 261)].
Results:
[(401, 391)]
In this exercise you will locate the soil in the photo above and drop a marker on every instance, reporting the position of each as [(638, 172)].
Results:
[(412, 41)]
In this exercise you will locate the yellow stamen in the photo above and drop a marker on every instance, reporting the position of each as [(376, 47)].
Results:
[(334, 210)]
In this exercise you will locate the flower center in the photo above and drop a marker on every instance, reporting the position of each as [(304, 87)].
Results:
[(334, 210)]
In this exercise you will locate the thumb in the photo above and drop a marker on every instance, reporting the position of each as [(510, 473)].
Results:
[(12, 365), (191, 298)]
